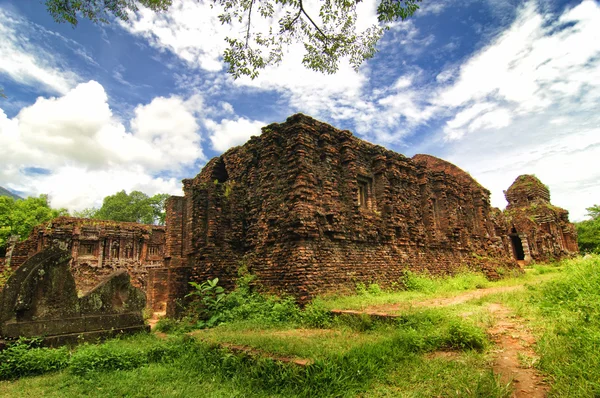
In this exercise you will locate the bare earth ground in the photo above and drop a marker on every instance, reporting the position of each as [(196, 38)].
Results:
[(514, 356)]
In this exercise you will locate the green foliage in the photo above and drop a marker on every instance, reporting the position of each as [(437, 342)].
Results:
[(99, 11), (372, 290), (25, 358), (427, 284), (213, 307), (210, 296), (2, 95), (570, 307), (328, 36), (133, 207), (588, 236), (593, 212), (465, 336), (316, 315), (18, 217)]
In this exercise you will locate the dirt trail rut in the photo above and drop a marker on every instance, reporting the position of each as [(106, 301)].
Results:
[(513, 354)]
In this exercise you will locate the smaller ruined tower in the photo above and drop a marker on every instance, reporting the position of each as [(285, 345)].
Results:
[(536, 229)]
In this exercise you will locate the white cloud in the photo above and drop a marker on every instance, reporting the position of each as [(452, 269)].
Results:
[(230, 133), (87, 153), (170, 126), (189, 29), (26, 63), (527, 104)]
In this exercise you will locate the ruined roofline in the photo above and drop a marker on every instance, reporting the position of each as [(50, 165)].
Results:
[(428, 163), (436, 164), (81, 222)]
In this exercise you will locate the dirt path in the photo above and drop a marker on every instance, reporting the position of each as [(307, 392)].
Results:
[(514, 355), (391, 310)]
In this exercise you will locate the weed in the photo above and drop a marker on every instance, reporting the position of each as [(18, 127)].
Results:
[(25, 358)]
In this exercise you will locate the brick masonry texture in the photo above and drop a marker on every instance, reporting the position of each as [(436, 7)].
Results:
[(536, 229), (98, 248), (311, 209)]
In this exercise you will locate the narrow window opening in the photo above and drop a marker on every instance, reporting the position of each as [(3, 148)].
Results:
[(436, 213), (365, 189), (129, 251), (87, 249), (114, 251), (153, 250)]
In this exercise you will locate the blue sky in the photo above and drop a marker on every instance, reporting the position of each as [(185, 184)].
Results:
[(498, 87)]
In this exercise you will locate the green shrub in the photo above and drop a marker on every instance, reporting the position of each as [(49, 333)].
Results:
[(26, 358), (316, 315), (465, 336), (126, 354), (215, 307), (104, 357), (169, 325)]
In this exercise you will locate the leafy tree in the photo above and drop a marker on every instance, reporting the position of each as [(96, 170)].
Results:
[(89, 212), (133, 207), (594, 212), (2, 95), (588, 231), (588, 236), (18, 217), (328, 36)]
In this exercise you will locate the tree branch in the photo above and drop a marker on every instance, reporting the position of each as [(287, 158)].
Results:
[(312, 22), (249, 20)]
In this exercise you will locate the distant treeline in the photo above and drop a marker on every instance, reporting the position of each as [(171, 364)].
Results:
[(588, 231), (19, 216)]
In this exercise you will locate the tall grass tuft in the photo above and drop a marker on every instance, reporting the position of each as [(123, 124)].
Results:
[(570, 347)]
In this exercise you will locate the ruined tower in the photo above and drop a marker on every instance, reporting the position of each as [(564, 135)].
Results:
[(536, 229)]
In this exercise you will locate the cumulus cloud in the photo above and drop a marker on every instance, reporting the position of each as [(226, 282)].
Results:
[(230, 133), (85, 151), (26, 63), (527, 104)]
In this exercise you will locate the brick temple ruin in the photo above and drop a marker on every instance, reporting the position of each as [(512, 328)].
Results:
[(99, 248), (309, 209), (536, 229)]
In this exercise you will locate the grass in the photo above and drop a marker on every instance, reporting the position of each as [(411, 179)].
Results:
[(425, 352), (419, 287)]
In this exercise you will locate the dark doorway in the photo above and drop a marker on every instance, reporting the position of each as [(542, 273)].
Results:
[(517, 247)]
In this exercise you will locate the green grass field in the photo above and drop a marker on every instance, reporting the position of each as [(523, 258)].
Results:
[(425, 351)]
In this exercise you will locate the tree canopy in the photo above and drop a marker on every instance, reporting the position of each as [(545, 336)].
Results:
[(327, 28), (133, 207), (588, 231), (18, 217)]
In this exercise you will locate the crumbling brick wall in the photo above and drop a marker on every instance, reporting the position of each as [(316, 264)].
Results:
[(309, 208), (98, 248), (536, 229)]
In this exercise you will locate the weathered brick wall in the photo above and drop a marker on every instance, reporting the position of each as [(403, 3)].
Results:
[(310, 208), (541, 228), (98, 248)]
